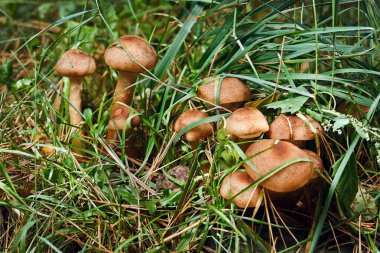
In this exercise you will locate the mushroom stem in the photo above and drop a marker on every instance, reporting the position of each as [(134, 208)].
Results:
[(123, 94), (76, 107)]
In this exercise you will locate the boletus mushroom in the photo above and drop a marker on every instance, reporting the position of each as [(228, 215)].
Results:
[(269, 155), (232, 94), (75, 64), (197, 133), (234, 184), (130, 55), (246, 123), (293, 129)]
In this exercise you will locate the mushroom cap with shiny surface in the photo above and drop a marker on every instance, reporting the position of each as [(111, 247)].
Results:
[(75, 63), (141, 55), (291, 127), (246, 123), (197, 133), (235, 183), (268, 155), (233, 92)]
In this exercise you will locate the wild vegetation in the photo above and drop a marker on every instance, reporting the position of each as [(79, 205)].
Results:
[(316, 58)]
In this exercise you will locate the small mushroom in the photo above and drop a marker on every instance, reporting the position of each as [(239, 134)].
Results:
[(305, 67), (130, 55), (246, 123), (293, 129), (268, 155), (234, 184), (44, 139), (197, 133), (75, 64), (232, 95), (317, 164), (179, 172)]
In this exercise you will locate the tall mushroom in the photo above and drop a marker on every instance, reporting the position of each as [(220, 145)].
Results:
[(75, 64), (232, 95), (269, 155), (130, 55)]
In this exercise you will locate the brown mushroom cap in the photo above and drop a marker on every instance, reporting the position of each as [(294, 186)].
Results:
[(233, 92), (139, 51), (235, 183), (75, 63), (197, 133), (291, 127), (246, 123), (267, 156), (317, 163)]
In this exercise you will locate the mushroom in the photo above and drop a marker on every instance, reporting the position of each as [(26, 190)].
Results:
[(305, 67), (234, 184), (179, 172), (246, 123), (42, 138), (268, 155), (75, 64), (130, 55), (197, 133), (232, 95), (300, 198), (293, 129), (317, 164)]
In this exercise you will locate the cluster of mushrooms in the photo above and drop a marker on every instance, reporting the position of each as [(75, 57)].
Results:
[(130, 55), (280, 159), (277, 164)]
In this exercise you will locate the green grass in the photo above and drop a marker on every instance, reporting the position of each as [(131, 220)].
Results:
[(106, 201)]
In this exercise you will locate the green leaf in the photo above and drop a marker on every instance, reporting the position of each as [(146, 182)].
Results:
[(225, 218), (5, 71), (337, 177), (347, 186), (259, 242), (150, 205), (125, 244), (262, 102), (49, 244), (291, 105), (178, 41), (87, 113), (340, 122), (19, 244), (22, 83)]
